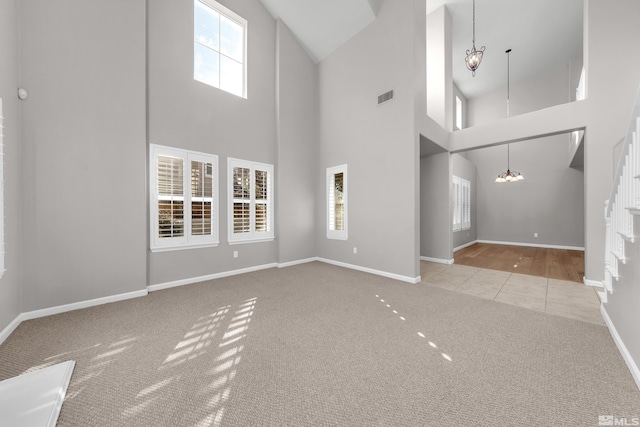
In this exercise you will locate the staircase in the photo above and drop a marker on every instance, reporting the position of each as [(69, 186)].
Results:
[(622, 207)]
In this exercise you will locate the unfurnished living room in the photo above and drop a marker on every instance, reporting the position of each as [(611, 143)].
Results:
[(309, 213)]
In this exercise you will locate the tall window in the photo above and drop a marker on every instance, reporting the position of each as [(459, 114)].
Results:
[(184, 198), (458, 113), (1, 191), (220, 45), (461, 194), (337, 202), (250, 201)]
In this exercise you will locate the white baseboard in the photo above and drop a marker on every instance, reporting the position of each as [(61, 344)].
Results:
[(466, 245), (9, 329), (82, 304), (35, 314), (438, 260), (407, 279), (596, 283), (298, 262), (631, 364), (189, 281), (533, 245)]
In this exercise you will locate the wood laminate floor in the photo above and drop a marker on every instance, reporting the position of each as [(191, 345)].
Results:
[(558, 264)]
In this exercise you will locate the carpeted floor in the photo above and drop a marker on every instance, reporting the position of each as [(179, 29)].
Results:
[(316, 345)]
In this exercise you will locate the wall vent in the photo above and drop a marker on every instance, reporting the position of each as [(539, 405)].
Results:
[(387, 96)]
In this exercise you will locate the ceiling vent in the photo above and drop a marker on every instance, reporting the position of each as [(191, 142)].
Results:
[(387, 96)]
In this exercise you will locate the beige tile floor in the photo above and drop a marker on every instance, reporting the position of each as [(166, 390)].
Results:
[(559, 297)]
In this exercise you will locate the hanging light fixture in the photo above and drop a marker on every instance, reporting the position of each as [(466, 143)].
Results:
[(509, 175), (474, 56)]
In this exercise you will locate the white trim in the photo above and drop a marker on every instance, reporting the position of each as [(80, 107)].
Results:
[(407, 279), (35, 314), (596, 283), (631, 364), (466, 245), (533, 245), (191, 280), (4, 334), (438, 260), (298, 262)]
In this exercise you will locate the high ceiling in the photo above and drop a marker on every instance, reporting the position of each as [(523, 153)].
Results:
[(543, 34)]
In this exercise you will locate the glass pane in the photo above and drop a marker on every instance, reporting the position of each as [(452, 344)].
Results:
[(338, 182), (200, 218), (231, 39), (241, 183), (241, 218), (339, 215), (201, 179), (261, 185), (206, 65), (261, 217), (170, 176), (170, 218), (206, 26), (231, 76)]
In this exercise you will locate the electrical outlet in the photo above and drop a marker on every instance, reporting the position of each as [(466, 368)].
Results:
[(535, 234), (235, 254), (355, 250)]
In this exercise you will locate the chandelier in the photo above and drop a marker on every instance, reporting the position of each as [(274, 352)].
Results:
[(474, 56), (509, 175)]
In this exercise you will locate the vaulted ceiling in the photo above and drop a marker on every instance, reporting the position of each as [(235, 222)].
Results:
[(543, 34)]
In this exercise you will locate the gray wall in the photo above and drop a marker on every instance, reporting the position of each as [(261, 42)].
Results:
[(188, 114), (549, 201), (297, 149), (10, 282), (463, 168), (556, 87), (435, 207), (83, 141), (377, 142)]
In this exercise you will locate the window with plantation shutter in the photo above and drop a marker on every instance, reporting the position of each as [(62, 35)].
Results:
[(184, 193), (337, 202), (461, 195), (250, 201)]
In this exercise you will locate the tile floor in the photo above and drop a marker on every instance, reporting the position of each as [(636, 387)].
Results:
[(568, 299)]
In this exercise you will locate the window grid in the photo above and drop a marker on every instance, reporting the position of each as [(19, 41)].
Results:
[(461, 195), (184, 198)]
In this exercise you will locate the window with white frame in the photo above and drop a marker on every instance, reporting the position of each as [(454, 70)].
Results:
[(461, 194), (184, 198), (250, 210), (458, 113), (220, 46), (337, 202), (2, 269)]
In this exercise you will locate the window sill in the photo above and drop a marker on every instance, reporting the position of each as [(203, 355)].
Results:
[(185, 247), (242, 242)]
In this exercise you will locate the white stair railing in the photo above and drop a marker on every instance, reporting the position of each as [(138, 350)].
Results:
[(623, 204)]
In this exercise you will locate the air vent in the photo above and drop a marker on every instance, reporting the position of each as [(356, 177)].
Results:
[(387, 96)]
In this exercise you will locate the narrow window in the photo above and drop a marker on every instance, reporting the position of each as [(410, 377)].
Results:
[(184, 193), (458, 113), (461, 195), (337, 202), (220, 40), (250, 201)]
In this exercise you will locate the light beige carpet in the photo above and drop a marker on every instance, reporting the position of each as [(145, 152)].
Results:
[(320, 345)]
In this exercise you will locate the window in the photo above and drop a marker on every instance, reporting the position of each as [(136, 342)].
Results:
[(250, 201), (458, 113), (461, 193), (1, 191), (337, 202), (220, 45), (184, 198)]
